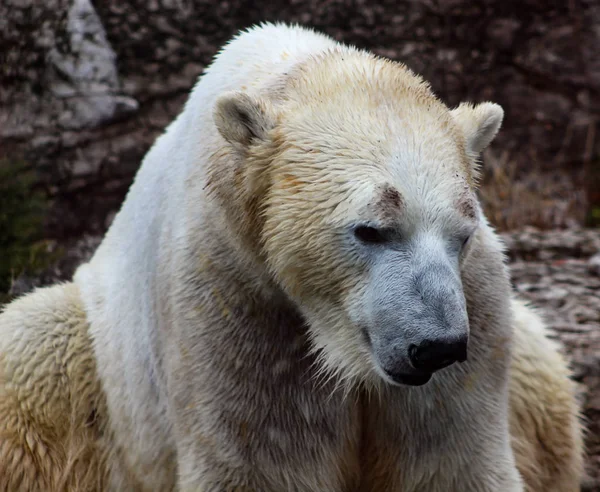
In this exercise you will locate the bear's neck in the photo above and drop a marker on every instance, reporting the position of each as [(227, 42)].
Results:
[(241, 327)]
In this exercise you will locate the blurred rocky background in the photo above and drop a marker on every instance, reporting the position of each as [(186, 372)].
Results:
[(86, 86)]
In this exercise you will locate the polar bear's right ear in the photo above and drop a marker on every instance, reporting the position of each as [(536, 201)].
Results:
[(241, 118)]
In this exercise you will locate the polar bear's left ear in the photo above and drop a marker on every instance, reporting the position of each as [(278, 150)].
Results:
[(241, 118), (479, 124)]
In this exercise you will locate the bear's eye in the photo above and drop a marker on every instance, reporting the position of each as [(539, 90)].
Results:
[(369, 234), (466, 241)]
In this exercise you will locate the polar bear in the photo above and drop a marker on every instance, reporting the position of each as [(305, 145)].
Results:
[(299, 293)]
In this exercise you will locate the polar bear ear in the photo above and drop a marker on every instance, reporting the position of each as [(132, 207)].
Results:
[(479, 124), (241, 118)]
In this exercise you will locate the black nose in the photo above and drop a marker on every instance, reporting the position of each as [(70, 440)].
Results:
[(433, 355)]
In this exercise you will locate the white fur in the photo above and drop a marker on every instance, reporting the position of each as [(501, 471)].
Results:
[(118, 285)]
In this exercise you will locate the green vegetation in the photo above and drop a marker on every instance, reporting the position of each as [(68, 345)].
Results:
[(22, 212)]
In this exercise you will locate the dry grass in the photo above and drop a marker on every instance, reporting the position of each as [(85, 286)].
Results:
[(513, 198)]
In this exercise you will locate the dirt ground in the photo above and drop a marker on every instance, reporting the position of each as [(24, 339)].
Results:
[(558, 271)]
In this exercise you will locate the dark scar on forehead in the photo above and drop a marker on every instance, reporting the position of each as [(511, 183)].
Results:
[(390, 201), (467, 208), (391, 196)]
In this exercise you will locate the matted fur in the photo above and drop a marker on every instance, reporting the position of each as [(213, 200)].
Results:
[(212, 336), (51, 403)]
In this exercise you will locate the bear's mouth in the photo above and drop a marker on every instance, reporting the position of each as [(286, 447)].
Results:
[(409, 379), (396, 378)]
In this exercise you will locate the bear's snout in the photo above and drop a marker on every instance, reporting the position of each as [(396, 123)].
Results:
[(420, 322)]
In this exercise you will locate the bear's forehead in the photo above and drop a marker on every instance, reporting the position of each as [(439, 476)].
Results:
[(362, 75), (407, 145), (376, 178), (360, 130), (354, 104)]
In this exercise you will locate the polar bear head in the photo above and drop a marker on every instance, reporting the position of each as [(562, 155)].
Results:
[(358, 186)]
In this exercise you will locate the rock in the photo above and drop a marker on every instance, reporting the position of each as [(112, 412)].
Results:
[(59, 90), (63, 70), (594, 264)]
